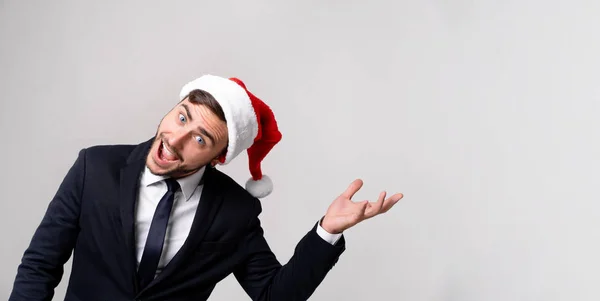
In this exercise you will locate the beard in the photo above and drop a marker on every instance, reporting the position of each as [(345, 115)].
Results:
[(178, 170)]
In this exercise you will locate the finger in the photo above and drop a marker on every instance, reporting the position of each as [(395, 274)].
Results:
[(353, 188), (391, 201), (365, 207), (375, 208), (358, 211)]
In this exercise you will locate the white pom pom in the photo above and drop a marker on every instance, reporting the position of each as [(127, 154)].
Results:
[(260, 188)]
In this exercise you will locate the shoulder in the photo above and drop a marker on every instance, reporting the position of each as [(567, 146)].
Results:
[(109, 154), (235, 195), (108, 150)]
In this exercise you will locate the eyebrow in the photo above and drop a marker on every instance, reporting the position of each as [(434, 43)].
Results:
[(200, 129), (187, 111)]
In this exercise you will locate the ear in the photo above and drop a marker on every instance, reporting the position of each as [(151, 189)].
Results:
[(218, 160)]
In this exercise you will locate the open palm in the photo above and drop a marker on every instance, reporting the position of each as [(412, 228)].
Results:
[(344, 213)]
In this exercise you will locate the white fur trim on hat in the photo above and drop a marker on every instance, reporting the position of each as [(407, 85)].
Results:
[(242, 123)]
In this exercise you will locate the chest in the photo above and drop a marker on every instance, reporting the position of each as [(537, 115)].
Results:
[(179, 224)]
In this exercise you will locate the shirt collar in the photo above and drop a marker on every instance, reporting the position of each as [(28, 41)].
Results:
[(188, 184)]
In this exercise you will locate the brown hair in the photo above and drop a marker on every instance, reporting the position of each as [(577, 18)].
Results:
[(202, 97)]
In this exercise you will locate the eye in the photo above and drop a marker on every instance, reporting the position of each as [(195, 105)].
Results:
[(200, 140), (181, 118)]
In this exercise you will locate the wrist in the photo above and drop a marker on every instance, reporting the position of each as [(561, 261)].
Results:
[(326, 225)]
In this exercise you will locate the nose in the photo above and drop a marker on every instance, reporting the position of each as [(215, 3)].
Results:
[(176, 140)]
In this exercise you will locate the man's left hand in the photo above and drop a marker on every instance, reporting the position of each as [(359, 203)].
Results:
[(344, 213)]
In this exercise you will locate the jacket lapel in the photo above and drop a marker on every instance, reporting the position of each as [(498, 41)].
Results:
[(128, 191), (209, 204)]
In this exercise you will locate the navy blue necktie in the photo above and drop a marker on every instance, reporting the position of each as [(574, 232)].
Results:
[(156, 235)]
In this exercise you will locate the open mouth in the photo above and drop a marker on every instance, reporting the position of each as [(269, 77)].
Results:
[(164, 155)]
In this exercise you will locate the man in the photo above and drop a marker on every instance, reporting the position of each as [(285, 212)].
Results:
[(158, 221)]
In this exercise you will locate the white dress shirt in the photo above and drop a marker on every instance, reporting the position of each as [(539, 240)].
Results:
[(151, 190)]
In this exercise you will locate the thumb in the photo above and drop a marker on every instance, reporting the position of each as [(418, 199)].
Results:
[(353, 188)]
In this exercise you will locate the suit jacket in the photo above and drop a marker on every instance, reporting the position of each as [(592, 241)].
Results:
[(92, 217)]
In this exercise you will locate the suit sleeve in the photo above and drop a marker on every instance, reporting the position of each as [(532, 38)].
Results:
[(264, 278), (42, 264)]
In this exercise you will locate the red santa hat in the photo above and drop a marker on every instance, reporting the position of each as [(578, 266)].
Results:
[(251, 126)]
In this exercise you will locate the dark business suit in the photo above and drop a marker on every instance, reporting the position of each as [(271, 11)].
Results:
[(92, 214)]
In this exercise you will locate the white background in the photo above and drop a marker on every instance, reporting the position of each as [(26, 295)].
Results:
[(483, 113)]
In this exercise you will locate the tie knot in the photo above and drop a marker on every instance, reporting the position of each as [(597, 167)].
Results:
[(172, 184)]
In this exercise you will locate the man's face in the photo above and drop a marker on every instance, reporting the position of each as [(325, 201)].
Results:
[(189, 137)]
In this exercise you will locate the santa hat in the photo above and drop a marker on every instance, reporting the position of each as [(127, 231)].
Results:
[(251, 125)]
